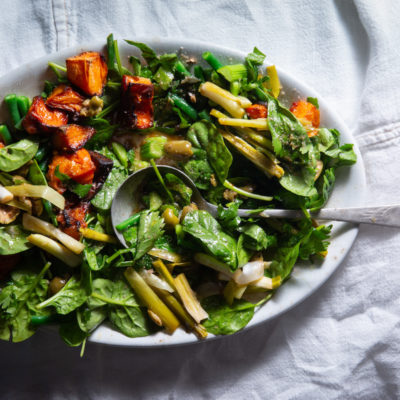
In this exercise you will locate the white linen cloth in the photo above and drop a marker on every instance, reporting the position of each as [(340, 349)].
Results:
[(343, 341)]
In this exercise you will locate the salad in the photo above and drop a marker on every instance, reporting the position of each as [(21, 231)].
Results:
[(65, 152)]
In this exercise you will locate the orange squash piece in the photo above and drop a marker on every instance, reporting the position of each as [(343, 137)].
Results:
[(63, 97), (78, 166), (88, 72), (257, 111), (41, 118), (71, 137), (137, 102), (304, 110), (72, 218)]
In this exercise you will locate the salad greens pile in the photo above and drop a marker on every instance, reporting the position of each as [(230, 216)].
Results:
[(226, 127)]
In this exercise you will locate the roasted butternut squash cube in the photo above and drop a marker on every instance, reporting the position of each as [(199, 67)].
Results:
[(41, 118), (64, 98), (306, 112), (70, 138), (78, 166), (257, 111), (88, 72), (137, 102), (72, 218)]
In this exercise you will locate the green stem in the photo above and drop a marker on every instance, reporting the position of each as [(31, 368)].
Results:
[(160, 178), (244, 193), (121, 153), (110, 259), (110, 301), (117, 58), (184, 106), (107, 110)]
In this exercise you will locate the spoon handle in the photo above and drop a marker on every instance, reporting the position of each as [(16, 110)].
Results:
[(382, 215)]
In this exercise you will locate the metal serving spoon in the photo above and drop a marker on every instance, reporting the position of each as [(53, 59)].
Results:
[(125, 204)]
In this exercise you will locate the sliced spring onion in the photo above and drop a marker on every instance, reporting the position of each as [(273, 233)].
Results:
[(99, 236), (164, 272), (233, 291), (273, 83), (250, 272), (244, 101), (233, 72), (266, 165), (154, 281), (245, 193), (55, 249), (166, 255), (213, 263), (171, 301), (151, 300), (218, 114), (267, 283), (189, 300), (5, 195), (41, 191), (258, 123), (223, 98), (37, 225), (25, 206)]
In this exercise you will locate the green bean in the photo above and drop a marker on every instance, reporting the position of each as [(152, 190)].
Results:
[(184, 106), (5, 134), (212, 60), (23, 105), (198, 73), (205, 115), (133, 220), (11, 101), (182, 69)]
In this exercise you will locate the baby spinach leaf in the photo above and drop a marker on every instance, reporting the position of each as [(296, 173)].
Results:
[(104, 197), (106, 292), (224, 319), (89, 319), (13, 239), (17, 300), (289, 137), (69, 298), (255, 238), (228, 217), (243, 254), (17, 154), (131, 321), (71, 333), (176, 185), (325, 185), (149, 230), (205, 135), (205, 229), (300, 182)]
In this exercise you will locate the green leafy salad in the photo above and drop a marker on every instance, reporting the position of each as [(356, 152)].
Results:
[(65, 152)]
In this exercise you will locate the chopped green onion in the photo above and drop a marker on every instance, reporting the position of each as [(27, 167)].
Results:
[(233, 72), (153, 147)]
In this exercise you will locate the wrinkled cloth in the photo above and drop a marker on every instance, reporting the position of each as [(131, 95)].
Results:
[(340, 343)]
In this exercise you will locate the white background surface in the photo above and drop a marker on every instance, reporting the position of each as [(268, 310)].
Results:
[(343, 342)]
